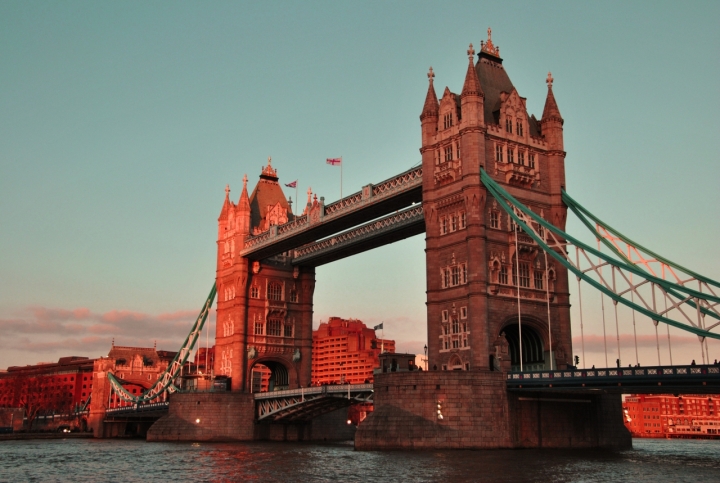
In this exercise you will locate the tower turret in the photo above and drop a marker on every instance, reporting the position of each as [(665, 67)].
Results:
[(243, 211), (429, 115), (472, 96), (552, 121)]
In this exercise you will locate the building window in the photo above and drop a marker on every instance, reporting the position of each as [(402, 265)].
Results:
[(463, 220), (455, 326), (453, 223), (519, 127), (538, 279), (274, 327), (448, 120), (443, 225), (521, 157), (494, 219), (508, 125), (499, 153), (444, 315), (258, 328), (274, 291), (531, 160), (293, 296), (288, 329), (463, 273), (463, 312), (457, 150), (524, 270), (455, 275), (254, 292), (503, 275), (511, 155), (455, 344), (448, 153)]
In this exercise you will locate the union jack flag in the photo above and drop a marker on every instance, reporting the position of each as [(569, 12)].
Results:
[(292, 185)]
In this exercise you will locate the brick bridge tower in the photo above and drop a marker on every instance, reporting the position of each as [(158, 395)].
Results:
[(475, 258), (264, 308)]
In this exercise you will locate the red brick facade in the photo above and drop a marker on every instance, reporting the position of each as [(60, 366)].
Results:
[(668, 415), (471, 246), (346, 351)]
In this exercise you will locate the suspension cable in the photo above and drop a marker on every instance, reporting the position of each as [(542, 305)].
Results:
[(517, 284), (617, 327), (582, 333), (547, 296), (602, 309), (668, 333)]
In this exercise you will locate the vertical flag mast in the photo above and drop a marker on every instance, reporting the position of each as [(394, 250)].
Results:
[(294, 185), (336, 162)]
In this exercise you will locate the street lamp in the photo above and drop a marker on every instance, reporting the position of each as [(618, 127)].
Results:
[(426, 360)]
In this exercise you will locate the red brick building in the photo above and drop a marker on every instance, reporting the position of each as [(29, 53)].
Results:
[(667, 415), (48, 387), (346, 350)]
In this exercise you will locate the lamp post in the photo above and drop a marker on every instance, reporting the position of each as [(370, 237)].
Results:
[(426, 359)]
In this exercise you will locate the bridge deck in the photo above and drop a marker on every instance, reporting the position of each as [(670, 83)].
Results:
[(703, 379)]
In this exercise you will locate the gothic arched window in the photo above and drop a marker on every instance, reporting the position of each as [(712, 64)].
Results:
[(274, 291)]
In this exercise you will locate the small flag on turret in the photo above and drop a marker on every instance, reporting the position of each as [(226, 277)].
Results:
[(292, 185), (334, 161), (379, 326)]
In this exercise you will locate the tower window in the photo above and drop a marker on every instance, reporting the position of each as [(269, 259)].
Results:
[(503, 276), (258, 328), (443, 225), (508, 125), (463, 220), (511, 155), (521, 157), (444, 315), (448, 153), (447, 120), (289, 329), (463, 273), (274, 291), (524, 275), (531, 160), (457, 150), (453, 223), (519, 127), (254, 292), (499, 153), (494, 219), (538, 279), (274, 327), (463, 312), (293, 296), (455, 326)]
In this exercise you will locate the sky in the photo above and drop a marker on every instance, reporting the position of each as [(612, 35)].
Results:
[(122, 122)]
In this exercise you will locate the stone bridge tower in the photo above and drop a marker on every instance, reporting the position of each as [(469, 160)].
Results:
[(264, 308), (476, 259)]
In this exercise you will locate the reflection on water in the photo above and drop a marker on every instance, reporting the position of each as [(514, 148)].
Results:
[(135, 461)]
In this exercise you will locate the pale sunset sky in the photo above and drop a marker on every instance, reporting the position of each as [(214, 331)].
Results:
[(122, 122)]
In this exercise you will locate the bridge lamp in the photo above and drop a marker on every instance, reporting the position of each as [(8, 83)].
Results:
[(197, 420), (349, 421), (439, 410)]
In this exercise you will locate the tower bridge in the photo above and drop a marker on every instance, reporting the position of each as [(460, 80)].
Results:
[(492, 200)]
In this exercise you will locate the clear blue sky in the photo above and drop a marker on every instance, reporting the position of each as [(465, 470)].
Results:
[(122, 122)]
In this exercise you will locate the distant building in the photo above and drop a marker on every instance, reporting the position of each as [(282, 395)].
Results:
[(47, 387), (668, 416), (346, 350)]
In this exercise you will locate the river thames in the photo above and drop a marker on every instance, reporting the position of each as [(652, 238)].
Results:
[(88, 460)]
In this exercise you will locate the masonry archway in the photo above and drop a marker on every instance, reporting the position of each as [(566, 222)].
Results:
[(267, 375), (533, 347)]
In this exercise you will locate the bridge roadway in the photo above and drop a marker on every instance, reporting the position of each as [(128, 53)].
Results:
[(364, 207), (307, 403), (703, 379)]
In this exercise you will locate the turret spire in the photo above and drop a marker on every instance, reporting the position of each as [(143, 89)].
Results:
[(472, 82), (244, 202), (551, 110), (432, 105)]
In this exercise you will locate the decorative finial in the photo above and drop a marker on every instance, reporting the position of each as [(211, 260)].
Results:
[(113, 342), (269, 161), (431, 74), (549, 80), (309, 193), (245, 181), (471, 52), (488, 46), (227, 190)]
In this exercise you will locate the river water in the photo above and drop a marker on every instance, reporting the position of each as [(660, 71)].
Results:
[(128, 461)]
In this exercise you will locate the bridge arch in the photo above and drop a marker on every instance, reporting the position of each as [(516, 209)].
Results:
[(534, 337), (271, 374)]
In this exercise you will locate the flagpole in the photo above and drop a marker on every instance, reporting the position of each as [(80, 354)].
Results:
[(341, 163), (382, 334), (296, 198)]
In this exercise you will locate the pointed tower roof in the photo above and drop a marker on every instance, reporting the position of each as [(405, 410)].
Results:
[(267, 193), (432, 106), (492, 76), (471, 87), (551, 110), (226, 204), (244, 201)]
